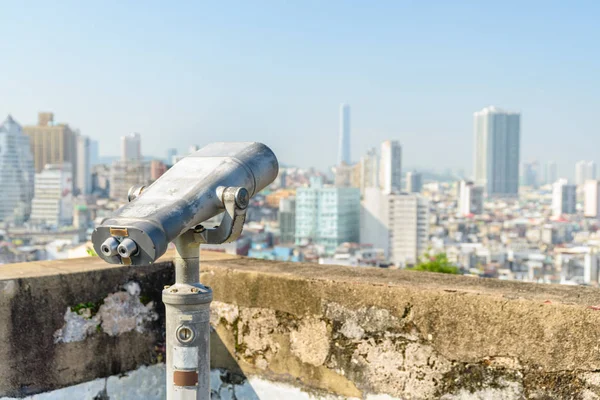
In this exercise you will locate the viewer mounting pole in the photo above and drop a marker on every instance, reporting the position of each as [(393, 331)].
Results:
[(187, 303)]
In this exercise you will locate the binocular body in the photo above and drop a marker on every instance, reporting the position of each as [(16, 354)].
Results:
[(188, 194)]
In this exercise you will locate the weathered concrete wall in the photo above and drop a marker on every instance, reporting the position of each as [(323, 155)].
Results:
[(409, 335), (67, 322), (299, 331)]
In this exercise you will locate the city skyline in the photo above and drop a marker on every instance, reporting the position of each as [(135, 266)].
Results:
[(157, 81), (545, 168)]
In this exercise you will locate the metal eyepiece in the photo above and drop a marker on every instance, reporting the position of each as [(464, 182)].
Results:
[(127, 248), (242, 197), (109, 247)]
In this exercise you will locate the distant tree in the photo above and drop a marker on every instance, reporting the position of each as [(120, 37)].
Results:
[(436, 263)]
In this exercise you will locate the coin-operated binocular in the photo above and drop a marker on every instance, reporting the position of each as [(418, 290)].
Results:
[(220, 177)]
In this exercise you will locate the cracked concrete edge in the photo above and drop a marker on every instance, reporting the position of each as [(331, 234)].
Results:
[(398, 361), (463, 326)]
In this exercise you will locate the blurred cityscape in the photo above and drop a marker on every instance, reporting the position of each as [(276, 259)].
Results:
[(512, 219)]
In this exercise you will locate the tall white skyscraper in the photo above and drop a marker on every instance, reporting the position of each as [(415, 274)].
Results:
[(497, 148), (16, 173), (84, 174), (564, 198), (53, 201), (585, 170), (414, 182), (591, 204), (397, 223), (580, 172), (390, 167), (470, 199), (344, 136), (550, 172), (131, 148)]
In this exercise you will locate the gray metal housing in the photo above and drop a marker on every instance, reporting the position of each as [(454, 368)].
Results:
[(185, 196)]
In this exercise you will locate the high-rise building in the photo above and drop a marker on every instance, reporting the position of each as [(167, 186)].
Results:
[(530, 174), (397, 223), (343, 175), (53, 201), (414, 182), (287, 219), (52, 143), (390, 167), (470, 199), (497, 147), (327, 216), (580, 172), (16, 173), (124, 175), (84, 174), (564, 198), (585, 170), (94, 153), (591, 204), (369, 170), (131, 148), (344, 138), (101, 180), (129, 170), (550, 172)]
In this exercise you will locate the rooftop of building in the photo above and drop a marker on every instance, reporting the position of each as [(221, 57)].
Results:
[(495, 110)]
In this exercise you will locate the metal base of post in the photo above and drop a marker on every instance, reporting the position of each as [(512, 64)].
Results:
[(187, 306)]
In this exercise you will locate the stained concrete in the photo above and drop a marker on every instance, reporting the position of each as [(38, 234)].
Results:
[(308, 329), (32, 311), (410, 335)]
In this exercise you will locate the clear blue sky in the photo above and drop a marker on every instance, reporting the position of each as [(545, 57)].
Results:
[(276, 71)]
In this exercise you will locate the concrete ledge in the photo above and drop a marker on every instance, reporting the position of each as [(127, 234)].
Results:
[(316, 330), (34, 310), (360, 331)]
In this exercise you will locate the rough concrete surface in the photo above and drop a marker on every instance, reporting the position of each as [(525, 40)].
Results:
[(404, 334), (74, 326), (285, 330)]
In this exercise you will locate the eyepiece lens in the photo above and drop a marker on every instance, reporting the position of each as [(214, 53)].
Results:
[(109, 247)]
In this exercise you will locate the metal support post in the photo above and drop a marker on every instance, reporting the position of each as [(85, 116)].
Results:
[(187, 302), (187, 306)]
